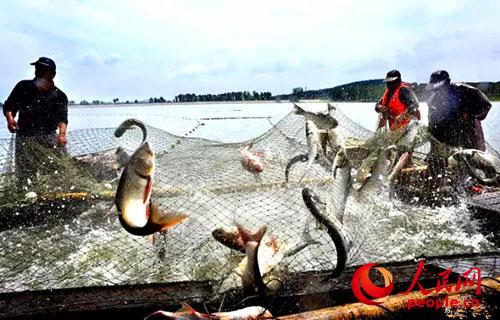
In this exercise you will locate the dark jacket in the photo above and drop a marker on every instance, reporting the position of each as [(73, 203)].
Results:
[(455, 114), (40, 111)]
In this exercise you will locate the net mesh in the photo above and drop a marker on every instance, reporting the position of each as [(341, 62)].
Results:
[(60, 229)]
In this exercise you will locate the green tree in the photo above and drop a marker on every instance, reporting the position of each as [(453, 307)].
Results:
[(256, 95)]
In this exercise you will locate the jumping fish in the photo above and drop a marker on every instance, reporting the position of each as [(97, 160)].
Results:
[(251, 277), (378, 164), (122, 157), (271, 253), (230, 237), (251, 161), (325, 123), (334, 227), (404, 159), (313, 142), (136, 212), (365, 171), (321, 120), (476, 161), (343, 182), (320, 133), (313, 149)]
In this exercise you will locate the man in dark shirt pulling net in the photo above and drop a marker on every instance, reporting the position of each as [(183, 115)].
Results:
[(43, 110), (456, 111), (455, 114)]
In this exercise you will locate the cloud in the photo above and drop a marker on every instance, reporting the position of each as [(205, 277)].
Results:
[(222, 45), (197, 69), (112, 59), (92, 59), (276, 67)]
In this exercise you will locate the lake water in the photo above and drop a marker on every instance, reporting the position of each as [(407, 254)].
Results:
[(247, 120), (89, 247)]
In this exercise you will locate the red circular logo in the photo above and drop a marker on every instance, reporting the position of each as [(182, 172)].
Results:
[(362, 286)]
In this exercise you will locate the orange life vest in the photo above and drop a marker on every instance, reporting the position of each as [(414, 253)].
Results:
[(396, 109)]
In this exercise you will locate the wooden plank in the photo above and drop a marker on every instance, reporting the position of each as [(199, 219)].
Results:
[(392, 305), (488, 201), (29, 303), (297, 288)]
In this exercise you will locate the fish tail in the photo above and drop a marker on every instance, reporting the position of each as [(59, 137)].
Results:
[(159, 313), (299, 158), (166, 219), (127, 124), (246, 236), (186, 307)]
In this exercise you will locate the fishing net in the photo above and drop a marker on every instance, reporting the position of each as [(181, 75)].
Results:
[(60, 229)]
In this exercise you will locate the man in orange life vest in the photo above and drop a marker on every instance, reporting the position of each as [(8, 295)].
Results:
[(399, 104)]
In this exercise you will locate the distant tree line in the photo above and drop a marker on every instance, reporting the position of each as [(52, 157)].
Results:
[(491, 89), (363, 91), (367, 90), (228, 96), (157, 100), (372, 90)]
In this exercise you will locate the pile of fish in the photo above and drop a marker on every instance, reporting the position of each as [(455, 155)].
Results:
[(260, 251)]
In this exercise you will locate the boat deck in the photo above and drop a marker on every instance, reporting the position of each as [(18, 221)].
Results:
[(487, 201)]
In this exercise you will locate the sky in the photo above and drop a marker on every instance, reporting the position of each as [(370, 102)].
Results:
[(139, 49)]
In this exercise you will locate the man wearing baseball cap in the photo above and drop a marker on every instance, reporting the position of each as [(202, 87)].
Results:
[(455, 114), (456, 111), (399, 104), (42, 110)]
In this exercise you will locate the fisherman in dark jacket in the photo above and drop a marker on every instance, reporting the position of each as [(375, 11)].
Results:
[(43, 110), (455, 112)]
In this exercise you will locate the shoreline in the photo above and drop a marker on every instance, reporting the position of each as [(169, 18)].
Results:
[(112, 105)]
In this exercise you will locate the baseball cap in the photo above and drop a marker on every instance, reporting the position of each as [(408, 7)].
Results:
[(392, 75), (438, 79), (46, 62)]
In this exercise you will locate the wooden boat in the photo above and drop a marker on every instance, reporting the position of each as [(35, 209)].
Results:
[(303, 296)]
